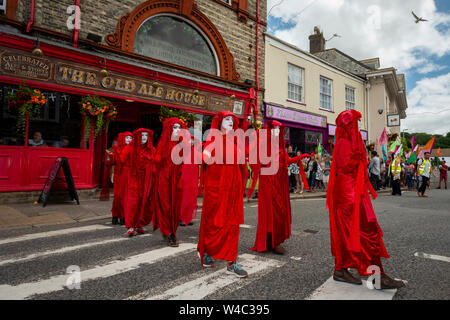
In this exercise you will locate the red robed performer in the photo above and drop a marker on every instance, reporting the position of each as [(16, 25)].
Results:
[(140, 157), (190, 184), (223, 206), (121, 171), (274, 206), (356, 237), (170, 194)]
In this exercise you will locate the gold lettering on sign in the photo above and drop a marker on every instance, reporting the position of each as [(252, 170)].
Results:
[(107, 82), (159, 92), (77, 76), (65, 73), (170, 95), (91, 79), (143, 90)]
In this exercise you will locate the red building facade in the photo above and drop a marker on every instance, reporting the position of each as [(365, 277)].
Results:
[(201, 56)]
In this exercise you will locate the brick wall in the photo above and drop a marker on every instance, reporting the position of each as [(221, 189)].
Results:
[(101, 17)]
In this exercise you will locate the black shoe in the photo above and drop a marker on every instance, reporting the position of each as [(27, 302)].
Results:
[(122, 222), (115, 220), (182, 224), (191, 223)]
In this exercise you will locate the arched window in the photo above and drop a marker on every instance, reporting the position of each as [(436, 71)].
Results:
[(171, 39)]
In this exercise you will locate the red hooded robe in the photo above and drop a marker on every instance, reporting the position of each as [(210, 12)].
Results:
[(140, 158), (274, 206), (223, 206), (169, 187), (121, 171), (356, 237)]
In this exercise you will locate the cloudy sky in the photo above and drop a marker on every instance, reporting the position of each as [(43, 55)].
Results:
[(384, 29)]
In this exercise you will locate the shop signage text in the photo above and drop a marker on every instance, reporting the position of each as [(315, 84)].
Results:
[(295, 116)]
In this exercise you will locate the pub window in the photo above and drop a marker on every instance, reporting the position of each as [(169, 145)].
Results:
[(349, 98), (325, 93), (2, 6), (295, 83), (58, 125), (227, 2), (176, 41)]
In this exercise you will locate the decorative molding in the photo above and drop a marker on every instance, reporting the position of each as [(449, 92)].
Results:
[(128, 24)]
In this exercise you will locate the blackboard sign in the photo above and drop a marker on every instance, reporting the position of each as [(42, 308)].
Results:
[(53, 176)]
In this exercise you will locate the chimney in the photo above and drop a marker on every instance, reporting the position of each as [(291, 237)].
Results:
[(316, 41)]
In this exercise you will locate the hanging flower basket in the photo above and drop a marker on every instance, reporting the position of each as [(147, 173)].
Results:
[(187, 118), (257, 125), (27, 102), (99, 111)]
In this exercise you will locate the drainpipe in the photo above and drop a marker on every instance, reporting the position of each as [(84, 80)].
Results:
[(77, 23), (255, 110), (31, 17), (368, 111)]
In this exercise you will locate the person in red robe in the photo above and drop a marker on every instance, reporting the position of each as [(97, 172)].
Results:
[(274, 206), (137, 204), (223, 206), (121, 171), (356, 237), (190, 182), (170, 194)]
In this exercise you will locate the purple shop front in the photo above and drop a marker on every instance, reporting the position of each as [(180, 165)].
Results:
[(314, 125)]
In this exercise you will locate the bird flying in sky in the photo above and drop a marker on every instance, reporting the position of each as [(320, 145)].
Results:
[(417, 18)]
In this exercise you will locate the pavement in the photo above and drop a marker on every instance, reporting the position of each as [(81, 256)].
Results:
[(32, 214)]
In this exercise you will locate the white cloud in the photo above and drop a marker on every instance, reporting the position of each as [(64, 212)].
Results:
[(430, 67), (377, 28), (429, 106), (384, 29)]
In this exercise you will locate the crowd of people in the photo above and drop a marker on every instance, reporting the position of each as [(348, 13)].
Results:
[(150, 188), (396, 173)]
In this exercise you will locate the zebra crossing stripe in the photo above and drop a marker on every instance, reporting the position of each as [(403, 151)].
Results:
[(56, 283), (432, 256), (201, 287), (34, 236), (65, 250), (334, 290)]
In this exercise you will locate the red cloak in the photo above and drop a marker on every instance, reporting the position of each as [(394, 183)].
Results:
[(223, 206), (169, 190), (121, 171), (356, 237), (274, 206), (140, 157)]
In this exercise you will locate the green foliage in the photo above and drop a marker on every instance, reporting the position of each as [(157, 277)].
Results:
[(422, 138), (185, 117)]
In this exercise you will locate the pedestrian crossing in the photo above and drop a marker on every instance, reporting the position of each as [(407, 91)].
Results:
[(147, 261)]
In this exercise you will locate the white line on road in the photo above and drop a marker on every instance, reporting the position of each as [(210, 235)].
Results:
[(246, 226), (312, 199), (66, 249), (201, 287), (254, 206), (432, 256), (334, 290), (55, 233), (57, 283)]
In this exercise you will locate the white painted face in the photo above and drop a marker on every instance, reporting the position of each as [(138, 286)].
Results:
[(128, 139), (227, 123), (276, 131), (176, 130), (144, 137)]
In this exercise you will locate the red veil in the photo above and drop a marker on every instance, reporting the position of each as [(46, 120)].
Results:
[(347, 198), (120, 175), (140, 157), (168, 190), (223, 206)]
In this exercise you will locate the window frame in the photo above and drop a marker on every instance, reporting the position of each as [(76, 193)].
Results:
[(302, 84), (348, 101), (321, 106)]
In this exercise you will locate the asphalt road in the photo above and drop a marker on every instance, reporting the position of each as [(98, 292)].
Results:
[(34, 262)]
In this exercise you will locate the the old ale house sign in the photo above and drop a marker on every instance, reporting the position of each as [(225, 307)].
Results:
[(59, 72)]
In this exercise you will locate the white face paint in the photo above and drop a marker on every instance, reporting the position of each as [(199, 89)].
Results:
[(176, 131), (276, 131), (144, 137), (128, 139), (227, 123)]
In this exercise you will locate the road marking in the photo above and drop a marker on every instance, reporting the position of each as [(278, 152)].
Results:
[(296, 258), (56, 283), (335, 290), (312, 199), (432, 256), (254, 206), (55, 233), (246, 226), (201, 287), (65, 250)]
